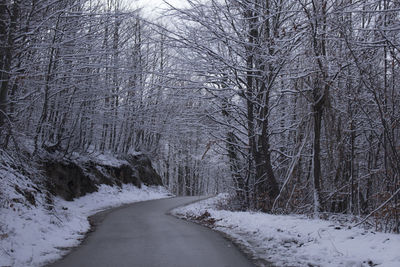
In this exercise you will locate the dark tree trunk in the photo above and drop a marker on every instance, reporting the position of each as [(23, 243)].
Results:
[(317, 109), (7, 32)]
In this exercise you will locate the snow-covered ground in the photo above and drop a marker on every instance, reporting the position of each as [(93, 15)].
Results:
[(297, 240), (33, 236)]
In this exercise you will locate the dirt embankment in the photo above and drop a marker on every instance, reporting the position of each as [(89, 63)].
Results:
[(75, 178)]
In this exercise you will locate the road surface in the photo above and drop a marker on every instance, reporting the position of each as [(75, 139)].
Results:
[(143, 235)]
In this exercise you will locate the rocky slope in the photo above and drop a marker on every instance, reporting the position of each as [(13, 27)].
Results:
[(75, 177)]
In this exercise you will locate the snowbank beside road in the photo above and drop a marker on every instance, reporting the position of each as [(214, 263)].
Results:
[(297, 240), (33, 236)]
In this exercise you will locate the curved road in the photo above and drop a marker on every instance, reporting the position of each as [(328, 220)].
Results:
[(142, 235)]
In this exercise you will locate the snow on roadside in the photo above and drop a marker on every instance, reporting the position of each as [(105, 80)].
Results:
[(295, 240), (33, 236)]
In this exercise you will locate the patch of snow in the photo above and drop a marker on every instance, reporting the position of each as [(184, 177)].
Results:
[(109, 160), (33, 236), (134, 152), (294, 240), (106, 159)]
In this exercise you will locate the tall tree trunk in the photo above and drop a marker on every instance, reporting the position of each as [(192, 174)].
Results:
[(317, 115), (50, 66), (7, 33)]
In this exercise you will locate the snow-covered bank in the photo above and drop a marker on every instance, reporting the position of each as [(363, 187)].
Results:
[(297, 240), (33, 236)]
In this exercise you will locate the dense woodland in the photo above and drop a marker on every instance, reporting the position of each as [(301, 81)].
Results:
[(294, 105)]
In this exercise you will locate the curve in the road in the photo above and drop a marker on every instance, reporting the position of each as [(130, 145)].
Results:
[(143, 235)]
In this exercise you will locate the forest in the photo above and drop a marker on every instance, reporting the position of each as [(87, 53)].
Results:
[(292, 105)]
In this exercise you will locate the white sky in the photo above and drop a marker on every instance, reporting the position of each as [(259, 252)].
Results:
[(154, 7)]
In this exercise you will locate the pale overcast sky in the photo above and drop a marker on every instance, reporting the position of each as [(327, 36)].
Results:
[(151, 6)]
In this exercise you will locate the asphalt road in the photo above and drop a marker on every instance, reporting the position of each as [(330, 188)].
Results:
[(143, 235)]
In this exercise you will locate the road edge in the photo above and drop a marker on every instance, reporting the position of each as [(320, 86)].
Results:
[(94, 221), (246, 250)]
